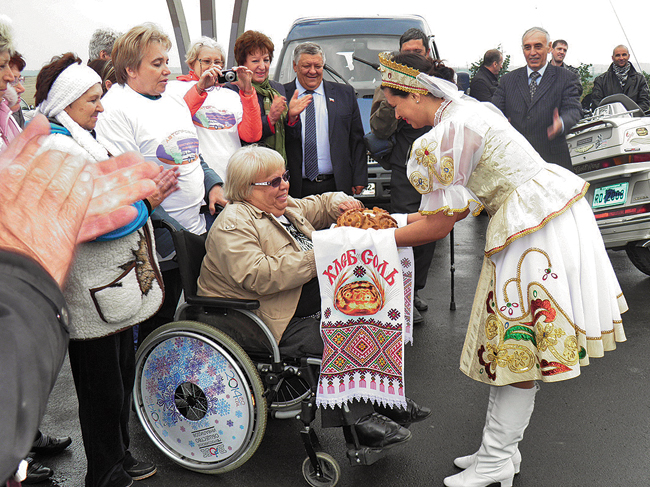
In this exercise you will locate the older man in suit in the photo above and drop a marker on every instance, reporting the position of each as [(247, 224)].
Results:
[(541, 100), (329, 155)]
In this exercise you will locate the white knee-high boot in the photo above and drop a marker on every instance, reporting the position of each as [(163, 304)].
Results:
[(466, 461), (503, 431)]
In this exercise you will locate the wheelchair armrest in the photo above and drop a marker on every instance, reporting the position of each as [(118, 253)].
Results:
[(222, 302), (168, 224)]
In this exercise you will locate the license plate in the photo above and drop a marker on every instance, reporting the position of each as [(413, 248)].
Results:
[(612, 195), (368, 190)]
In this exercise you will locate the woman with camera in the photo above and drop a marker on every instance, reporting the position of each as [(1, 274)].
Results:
[(221, 117), (255, 51)]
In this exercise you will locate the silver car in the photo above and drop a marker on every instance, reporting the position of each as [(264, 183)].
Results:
[(611, 151)]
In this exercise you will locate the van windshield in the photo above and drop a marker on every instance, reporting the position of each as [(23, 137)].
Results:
[(345, 56)]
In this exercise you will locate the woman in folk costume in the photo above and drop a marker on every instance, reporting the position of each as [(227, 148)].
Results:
[(547, 298), (114, 283)]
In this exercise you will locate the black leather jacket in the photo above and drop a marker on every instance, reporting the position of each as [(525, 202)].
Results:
[(636, 87)]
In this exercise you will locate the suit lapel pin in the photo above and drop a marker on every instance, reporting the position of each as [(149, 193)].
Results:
[(332, 100)]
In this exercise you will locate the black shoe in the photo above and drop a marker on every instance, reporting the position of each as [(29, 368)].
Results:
[(36, 472), (419, 303), (50, 445), (412, 414), (417, 317), (377, 431), (137, 469)]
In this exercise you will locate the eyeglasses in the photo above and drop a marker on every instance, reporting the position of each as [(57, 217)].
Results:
[(208, 62), (17, 81), (275, 182)]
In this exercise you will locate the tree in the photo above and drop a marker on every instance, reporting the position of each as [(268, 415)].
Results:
[(586, 79), (647, 76)]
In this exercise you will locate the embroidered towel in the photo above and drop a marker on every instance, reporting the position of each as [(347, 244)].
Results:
[(363, 318)]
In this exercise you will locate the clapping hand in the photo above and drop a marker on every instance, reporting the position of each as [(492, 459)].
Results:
[(297, 105), (278, 107), (51, 201), (556, 128), (166, 183)]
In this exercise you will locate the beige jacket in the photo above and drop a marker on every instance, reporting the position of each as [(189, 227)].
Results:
[(250, 255)]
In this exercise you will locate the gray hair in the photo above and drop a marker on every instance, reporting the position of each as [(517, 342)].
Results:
[(6, 35), (309, 48), (192, 53), (536, 29), (101, 40), (619, 46), (246, 166)]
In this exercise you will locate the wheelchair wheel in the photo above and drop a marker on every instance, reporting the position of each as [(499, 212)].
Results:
[(199, 397), (291, 391), (331, 472)]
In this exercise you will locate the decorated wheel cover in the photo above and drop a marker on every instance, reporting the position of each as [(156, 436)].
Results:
[(195, 400)]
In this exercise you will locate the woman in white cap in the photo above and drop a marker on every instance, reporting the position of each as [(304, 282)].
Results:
[(114, 283)]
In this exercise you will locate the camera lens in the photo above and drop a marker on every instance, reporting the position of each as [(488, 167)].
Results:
[(230, 76)]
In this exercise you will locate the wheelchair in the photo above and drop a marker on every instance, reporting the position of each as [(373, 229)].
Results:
[(206, 383)]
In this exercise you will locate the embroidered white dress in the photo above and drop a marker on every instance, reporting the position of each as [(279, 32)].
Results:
[(547, 298)]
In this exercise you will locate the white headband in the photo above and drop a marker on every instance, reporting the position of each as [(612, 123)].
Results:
[(73, 82)]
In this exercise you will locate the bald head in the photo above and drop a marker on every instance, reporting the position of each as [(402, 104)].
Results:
[(620, 56)]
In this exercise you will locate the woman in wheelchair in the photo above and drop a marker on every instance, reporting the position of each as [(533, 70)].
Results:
[(260, 248)]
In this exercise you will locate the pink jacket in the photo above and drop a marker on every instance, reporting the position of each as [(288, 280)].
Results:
[(8, 126)]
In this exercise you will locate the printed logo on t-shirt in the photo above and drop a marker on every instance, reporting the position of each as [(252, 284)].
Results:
[(212, 118), (181, 147)]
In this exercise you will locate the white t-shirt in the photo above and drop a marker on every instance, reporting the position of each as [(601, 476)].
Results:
[(215, 122), (162, 131)]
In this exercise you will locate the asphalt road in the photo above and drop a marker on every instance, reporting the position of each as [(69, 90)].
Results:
[(589, 431)]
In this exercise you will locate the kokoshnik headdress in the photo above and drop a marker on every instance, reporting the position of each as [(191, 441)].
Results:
[(409, 79), (399, 76)]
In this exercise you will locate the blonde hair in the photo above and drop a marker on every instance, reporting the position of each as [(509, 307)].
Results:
[(128, 50), (6, 35), (192, 53), (246, 166)]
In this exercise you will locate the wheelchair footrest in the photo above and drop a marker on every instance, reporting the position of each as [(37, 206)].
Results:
[(364, 455)]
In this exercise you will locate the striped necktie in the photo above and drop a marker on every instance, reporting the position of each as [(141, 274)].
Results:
[(311, 143)]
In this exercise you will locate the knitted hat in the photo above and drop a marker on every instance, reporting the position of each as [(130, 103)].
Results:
[(73, 82), (68, 87)]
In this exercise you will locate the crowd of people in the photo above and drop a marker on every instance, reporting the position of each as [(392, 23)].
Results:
[(124, 145)]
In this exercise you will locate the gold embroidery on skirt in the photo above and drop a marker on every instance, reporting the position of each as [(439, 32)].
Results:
[(541, 325)]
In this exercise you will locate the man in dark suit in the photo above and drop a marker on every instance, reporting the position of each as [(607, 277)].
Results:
[(541, 100), (329, 155), (485, 81)]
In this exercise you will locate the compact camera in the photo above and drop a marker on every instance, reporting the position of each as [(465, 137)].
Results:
[(227, 76)]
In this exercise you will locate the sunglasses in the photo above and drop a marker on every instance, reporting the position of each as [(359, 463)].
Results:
[(275, 182)]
